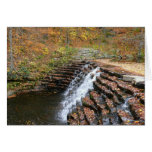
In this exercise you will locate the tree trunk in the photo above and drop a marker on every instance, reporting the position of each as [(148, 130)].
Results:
[(67, 37), (11, 50)]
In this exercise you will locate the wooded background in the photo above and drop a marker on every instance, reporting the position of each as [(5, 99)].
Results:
[(35, 51)]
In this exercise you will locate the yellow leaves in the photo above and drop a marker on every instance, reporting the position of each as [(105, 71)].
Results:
[(73, 34), (92, 28), (45, 51), (84, 36), (61, 50)]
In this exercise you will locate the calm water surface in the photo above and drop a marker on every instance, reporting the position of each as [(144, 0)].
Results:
[(36, 109)]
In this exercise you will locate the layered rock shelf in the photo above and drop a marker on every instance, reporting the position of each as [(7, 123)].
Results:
[(59, 81), (112, 101)]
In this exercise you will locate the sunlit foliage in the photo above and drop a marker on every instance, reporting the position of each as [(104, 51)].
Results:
[(36, 51)]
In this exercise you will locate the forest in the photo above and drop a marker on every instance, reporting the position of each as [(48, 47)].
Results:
[(35, 51)]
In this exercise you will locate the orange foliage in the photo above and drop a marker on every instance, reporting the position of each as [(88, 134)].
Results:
[(32, 41)]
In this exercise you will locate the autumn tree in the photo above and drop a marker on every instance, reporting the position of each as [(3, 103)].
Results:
[(11, 50)]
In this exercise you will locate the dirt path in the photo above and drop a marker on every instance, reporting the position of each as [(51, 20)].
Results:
[(131, 67)]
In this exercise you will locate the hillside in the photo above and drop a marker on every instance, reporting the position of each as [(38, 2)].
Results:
[(34, 52)]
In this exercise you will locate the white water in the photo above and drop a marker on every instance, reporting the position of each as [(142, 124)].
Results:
[(77, 90)]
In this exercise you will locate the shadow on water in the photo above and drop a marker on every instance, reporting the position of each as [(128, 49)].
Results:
[(34, 109)]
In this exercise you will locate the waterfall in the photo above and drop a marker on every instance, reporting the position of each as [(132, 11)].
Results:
[(77, 90)]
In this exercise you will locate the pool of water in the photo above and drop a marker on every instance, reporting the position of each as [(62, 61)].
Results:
[(36, 109)]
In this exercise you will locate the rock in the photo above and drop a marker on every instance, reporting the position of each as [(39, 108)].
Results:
[(125, 116), (88, 103), (90, 115), (92, 75), (134, 79), (103, 89), (11, 93), (138, 110), (110, 104)]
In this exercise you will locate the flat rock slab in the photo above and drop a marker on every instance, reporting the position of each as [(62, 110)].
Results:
[(134, 79)]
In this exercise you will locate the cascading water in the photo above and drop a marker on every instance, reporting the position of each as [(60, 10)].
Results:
[(125, 106), (77, 89)]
